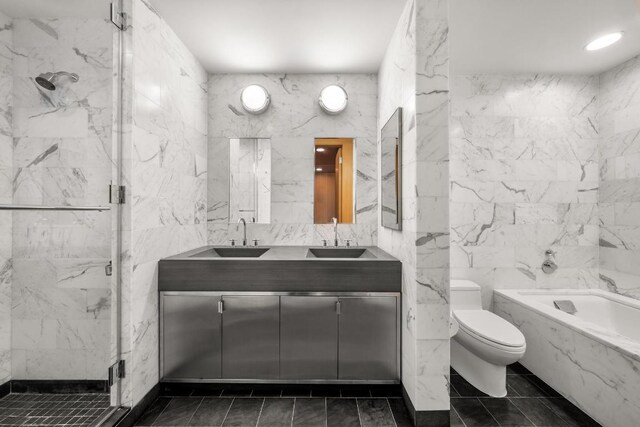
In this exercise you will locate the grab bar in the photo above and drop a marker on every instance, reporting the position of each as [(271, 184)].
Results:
[(52, 208)]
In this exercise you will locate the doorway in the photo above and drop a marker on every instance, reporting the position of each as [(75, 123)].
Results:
[(333, 182)]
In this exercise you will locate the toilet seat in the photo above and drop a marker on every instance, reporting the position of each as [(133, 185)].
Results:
[(490, 329)]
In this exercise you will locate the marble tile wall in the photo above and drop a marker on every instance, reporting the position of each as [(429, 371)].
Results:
[(524, 178), (165, 152), (61, 156), (414, 76), (6, 174), (619, 206), (292, 122)]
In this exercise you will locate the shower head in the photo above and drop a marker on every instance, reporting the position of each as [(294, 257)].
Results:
[(48, 80)]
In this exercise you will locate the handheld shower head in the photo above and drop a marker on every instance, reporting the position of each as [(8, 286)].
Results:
[(47, 80)]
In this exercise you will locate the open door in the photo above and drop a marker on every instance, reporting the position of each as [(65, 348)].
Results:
[(333, 196)]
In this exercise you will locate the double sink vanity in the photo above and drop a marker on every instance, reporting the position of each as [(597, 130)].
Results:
[(280, 314)]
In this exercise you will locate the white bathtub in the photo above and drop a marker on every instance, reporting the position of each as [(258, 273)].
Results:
[(592, 357)]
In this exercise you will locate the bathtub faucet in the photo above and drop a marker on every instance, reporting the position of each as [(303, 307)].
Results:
[(549, 264)]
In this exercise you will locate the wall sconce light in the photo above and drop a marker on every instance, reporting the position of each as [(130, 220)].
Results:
[(333, 99), (255, 99)]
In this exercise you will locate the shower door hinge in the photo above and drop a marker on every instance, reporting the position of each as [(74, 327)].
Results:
[(117, 194), (119, 19), (116, 372)]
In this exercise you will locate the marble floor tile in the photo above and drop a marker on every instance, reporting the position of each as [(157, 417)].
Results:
[(505, 412), (400, 412), (156, 408), (523, 387), (569, 412), (375, 413), (342, 412), (276, 413), (178, 412), (211, 412), (539, 414), (243, 412), (473, 413), (309, 413)]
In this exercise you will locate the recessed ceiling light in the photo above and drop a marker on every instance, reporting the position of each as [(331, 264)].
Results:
[(604, 41), (319, 149), (318, 169), (333, 99), (255, 99)]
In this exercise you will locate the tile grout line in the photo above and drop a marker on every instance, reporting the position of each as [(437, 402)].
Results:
[(358, 408), (293, 411), (558, 414), (490, 413), (326, 412), (458, 414), (522, 412), (161, 412), (260, 413), (194, 412), (393, 417), (233, 399)]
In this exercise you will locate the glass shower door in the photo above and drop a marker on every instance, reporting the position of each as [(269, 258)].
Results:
[(58, 227)]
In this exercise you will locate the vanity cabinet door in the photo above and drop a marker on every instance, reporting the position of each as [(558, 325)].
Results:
[(250, 337), (368, 338), (191, 337), (308, 338)]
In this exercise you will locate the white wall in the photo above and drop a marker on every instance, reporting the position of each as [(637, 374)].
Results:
[(524, 178), (292, 122), (620, 178), (165, 151), (414, 76)]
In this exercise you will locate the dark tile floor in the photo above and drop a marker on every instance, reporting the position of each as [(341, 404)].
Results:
[(271, 406), (529, 402), (28, 409)]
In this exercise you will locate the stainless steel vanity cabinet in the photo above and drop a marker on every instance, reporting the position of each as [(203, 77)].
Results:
[(191, 333), (308, 337), (280, 337), (368, 338), (250, 337)]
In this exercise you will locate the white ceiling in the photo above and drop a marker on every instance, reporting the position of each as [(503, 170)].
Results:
[(294, 36), (349, 36), (524, 36)]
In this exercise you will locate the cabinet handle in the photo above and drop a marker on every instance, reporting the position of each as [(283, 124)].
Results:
[(220, 306), (338, 307)]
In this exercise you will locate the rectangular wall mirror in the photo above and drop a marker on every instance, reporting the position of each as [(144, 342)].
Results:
[(250, 180), (333, 182), (390, 171)]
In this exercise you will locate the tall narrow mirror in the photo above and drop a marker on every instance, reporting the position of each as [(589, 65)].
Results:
[(390, 167), (250, 180), (333, 183)]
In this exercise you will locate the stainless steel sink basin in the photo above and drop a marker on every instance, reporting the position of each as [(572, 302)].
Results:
[(339, 253), (230, 252)]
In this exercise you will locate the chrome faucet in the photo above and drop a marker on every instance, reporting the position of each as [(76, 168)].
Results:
[(335, 231), (244, 225)]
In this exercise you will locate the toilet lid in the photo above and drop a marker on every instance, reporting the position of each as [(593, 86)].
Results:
[(489, 326)]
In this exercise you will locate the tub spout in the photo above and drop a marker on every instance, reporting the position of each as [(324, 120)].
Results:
[(549, 265)]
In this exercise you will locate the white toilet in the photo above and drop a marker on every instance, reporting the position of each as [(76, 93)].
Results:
[(485, 343)]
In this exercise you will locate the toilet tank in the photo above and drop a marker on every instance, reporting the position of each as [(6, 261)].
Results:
[(465, 295)]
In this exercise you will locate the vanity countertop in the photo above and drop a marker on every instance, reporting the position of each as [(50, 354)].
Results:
[(280, 269)]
